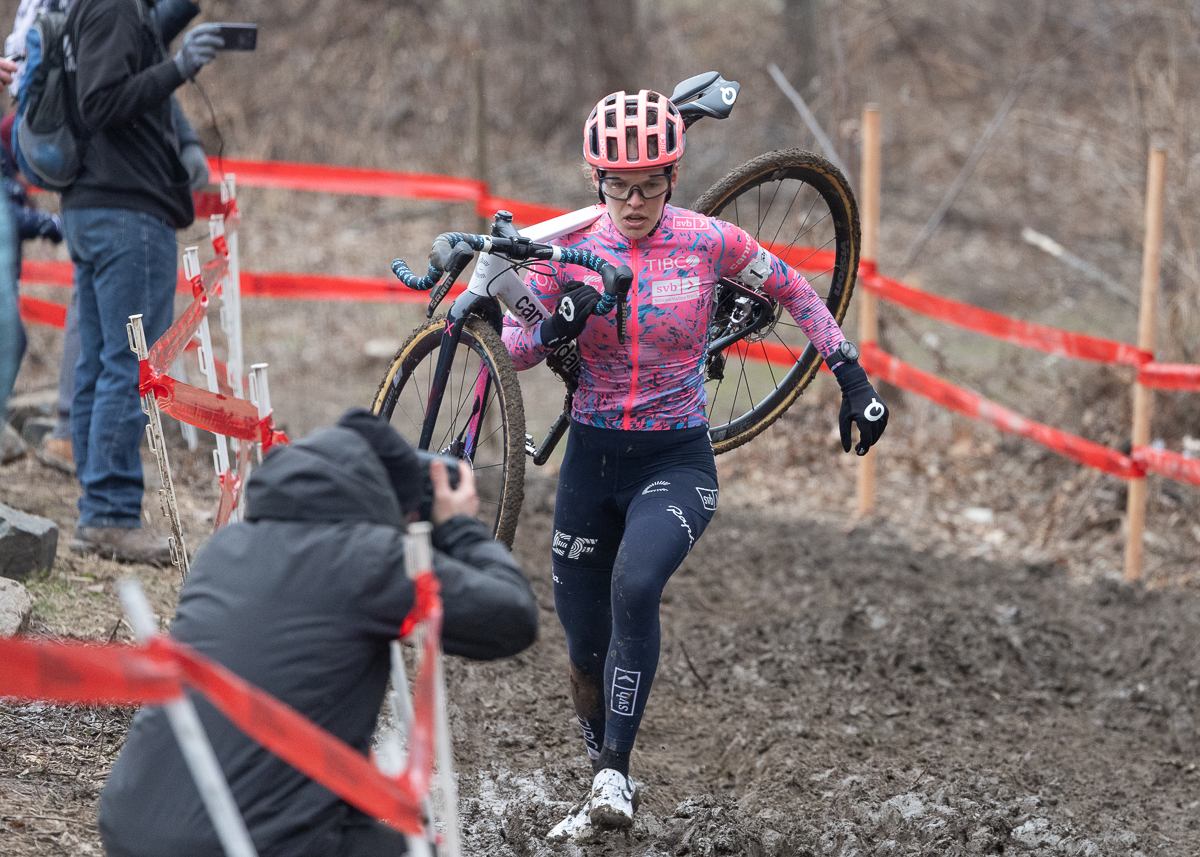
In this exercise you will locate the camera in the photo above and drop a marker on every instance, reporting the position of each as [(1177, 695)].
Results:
[(452, 471)]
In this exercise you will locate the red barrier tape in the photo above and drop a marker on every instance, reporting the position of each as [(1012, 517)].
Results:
[(212, 412), (75, 673), (901, 374), (1170, 376), (38, 311), (351, 180), (79, 673), (1169, 464), (524, 213), (299, 742), (1037, 336)]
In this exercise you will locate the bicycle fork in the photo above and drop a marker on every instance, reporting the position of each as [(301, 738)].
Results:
[(463, 445)]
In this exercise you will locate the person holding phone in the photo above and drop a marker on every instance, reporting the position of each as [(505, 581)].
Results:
[(302, 599), (119, 218)]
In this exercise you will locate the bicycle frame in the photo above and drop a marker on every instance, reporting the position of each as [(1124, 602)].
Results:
[(496, 278)]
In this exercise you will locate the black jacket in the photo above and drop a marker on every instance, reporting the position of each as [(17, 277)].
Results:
[(123, 82), (303, 600)]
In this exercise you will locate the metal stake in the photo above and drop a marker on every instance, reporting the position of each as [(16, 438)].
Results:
[(158, 445)]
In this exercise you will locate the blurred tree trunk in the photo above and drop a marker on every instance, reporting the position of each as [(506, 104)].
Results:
[(800, 26), (614, 45)]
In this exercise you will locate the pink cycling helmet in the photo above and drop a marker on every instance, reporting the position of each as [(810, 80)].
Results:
[(633, 132)]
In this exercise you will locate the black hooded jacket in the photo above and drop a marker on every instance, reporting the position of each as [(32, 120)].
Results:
[(123, 82), (303, 600)]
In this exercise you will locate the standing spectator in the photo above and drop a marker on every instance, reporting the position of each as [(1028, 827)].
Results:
[(10, 319), (120, 218), (29, 222)]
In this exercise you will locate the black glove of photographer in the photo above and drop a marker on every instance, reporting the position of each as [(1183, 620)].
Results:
[(861, 405), (199, 48), (570, 316)]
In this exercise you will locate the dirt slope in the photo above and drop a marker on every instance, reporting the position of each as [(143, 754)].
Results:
[(821, 691)]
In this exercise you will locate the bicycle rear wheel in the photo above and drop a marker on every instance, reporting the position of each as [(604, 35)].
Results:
[(800, 207), (482, 418)]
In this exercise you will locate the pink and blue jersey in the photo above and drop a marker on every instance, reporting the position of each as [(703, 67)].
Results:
[(655, 380)]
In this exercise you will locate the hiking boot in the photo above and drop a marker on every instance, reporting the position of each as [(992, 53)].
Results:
[(124, 544), (612, 799), (56, 453), (577, 827)]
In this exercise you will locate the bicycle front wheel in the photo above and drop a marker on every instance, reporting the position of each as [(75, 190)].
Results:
[(800, 207), (481, 419)]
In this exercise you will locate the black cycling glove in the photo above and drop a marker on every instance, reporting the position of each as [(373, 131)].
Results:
[(861, 405), (570, 316)]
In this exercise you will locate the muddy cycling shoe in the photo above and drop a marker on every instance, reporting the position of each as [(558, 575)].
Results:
[(612, 800), (577, 827), (124, 544)]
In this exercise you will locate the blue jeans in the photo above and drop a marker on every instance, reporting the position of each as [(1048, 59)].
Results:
[(125, 264), (11, 332)]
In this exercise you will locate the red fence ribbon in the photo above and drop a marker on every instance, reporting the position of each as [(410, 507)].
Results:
[(1170, 376), (178, 337), (79, 673), (299, 742), (1169, 464), (38, 311), (425, 600), (1028, 334), (901, 374), (350, 180), (214, 412)]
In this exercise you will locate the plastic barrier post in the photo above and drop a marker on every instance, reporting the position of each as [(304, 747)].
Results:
[(1147, 322), (260, 395), (868, 310), (193, 742), (158, 445), (233, 291), (418, 560)]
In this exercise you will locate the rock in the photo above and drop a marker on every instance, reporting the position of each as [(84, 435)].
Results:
[(37, 429), (11, 445), (15, 608), (27, 544)]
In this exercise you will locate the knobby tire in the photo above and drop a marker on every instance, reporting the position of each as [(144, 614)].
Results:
[(790, 198), (500, 476)]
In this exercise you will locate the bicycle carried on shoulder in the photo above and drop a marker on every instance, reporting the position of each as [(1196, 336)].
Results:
[(452, 387)]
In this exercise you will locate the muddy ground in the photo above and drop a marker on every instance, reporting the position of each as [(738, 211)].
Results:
[(913, 683)]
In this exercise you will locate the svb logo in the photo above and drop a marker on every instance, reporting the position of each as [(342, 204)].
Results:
[(624, 691), (708, 496)]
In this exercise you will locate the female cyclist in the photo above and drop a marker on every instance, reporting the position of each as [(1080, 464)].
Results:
[(638, 483)]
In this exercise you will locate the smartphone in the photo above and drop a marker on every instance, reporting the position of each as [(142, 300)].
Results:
[(239, 37)]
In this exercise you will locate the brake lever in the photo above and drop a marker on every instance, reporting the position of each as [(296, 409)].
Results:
[(456, 259)]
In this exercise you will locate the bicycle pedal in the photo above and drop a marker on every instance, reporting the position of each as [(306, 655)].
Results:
[(530, 446)]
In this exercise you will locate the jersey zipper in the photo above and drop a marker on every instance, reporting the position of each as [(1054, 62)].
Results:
[(631, 331)]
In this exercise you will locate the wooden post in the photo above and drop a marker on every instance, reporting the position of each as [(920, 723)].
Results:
[(1147, 320), (868, 307), (480, 123)]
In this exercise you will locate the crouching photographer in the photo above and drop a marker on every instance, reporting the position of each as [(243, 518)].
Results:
[(302, 599)]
